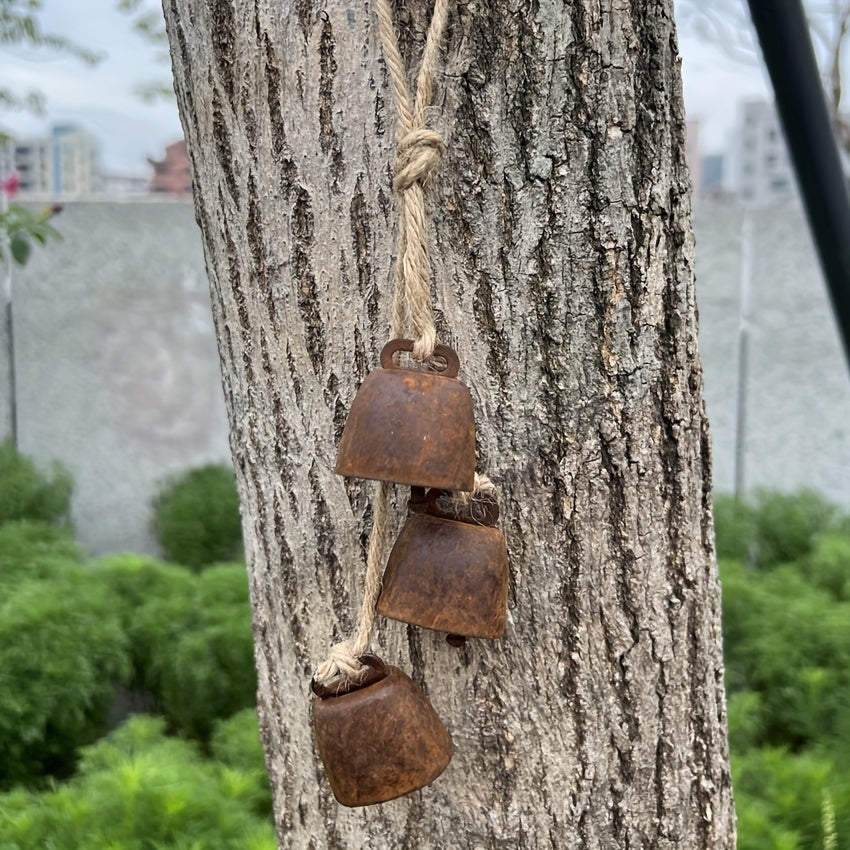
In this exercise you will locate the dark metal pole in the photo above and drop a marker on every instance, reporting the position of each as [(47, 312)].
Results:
[(783, 33), (13, 390)]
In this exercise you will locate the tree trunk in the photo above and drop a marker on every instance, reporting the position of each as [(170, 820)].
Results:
[(563, 259)]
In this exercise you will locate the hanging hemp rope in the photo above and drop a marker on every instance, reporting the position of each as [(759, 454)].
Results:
[(419, 152)]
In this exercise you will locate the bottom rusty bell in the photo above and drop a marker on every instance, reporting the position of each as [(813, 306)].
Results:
[(380, 738)]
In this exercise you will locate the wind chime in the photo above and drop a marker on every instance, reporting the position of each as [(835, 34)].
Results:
[(448, 569)]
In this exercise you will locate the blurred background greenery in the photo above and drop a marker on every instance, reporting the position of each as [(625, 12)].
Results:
[(127, 683)]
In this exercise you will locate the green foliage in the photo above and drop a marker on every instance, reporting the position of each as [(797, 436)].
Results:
[(195, 649), (21, 227), (139, 583), (190, 636), (828, 565), (779, 798), (71, 635), (786, 625), (31, 550), (788, 524), (27, 493), (196, 517), (61, 652), (138, 789), (236, 744), (734, 526), (772, 528), (790, 643)]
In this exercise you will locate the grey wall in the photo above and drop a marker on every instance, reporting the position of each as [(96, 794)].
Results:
[(118, 373), (116, 362), (757, 273)]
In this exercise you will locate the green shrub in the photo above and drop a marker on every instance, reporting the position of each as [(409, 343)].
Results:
[(197, 649), (828, 565), (136, 581), (734, 528), (236, 744), (62, 651), (746, 728), (31, 550), (790, 643), (787, 524), (140, 790), (196, 517), (780, 796), (27, 493), (773, 528)]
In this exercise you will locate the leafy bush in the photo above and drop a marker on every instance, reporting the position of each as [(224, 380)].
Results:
[(136, 581), (828, 565), (786, 626), (62, 650), (30, 550), (780, 798), (790, 643), (140, 790), (787, 524), (197, 649), (236, 744), (773, 528), (196, 517), (27, 493), (190, 636)]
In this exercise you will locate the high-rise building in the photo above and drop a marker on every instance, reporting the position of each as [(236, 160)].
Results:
[(64, 163), (762, 170)]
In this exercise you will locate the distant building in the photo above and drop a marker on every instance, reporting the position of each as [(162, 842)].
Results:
[(713, 170), (64, 163), (172, 175), (762, 167)]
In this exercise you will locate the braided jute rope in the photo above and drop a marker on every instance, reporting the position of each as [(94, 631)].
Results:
[(419, 151)]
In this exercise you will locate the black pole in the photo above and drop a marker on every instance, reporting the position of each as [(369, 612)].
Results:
[(13, 391), (786, 45)]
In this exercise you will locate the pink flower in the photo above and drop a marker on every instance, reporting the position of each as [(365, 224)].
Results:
[(11, 184)]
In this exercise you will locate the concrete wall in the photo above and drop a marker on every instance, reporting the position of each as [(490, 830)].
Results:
[(118, 372), (117, 367), (758, 277)]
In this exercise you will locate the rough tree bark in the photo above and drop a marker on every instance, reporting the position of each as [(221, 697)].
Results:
[(563, 267)]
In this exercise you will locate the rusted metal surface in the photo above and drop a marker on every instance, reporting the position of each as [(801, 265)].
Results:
[(411, 427), (379, 739), (447, 575)]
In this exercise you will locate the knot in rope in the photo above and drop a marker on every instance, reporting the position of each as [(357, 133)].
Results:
[(340, 664), (419, 155)]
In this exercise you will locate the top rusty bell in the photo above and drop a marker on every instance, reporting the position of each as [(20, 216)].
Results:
[(411, 427)]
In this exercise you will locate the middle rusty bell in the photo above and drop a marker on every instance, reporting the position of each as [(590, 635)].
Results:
[(411, 427), (448, 573)]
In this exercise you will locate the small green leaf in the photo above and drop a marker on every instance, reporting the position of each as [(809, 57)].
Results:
[(21, 249)]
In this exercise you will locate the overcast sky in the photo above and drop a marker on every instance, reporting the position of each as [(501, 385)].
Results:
[(101, 99)]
